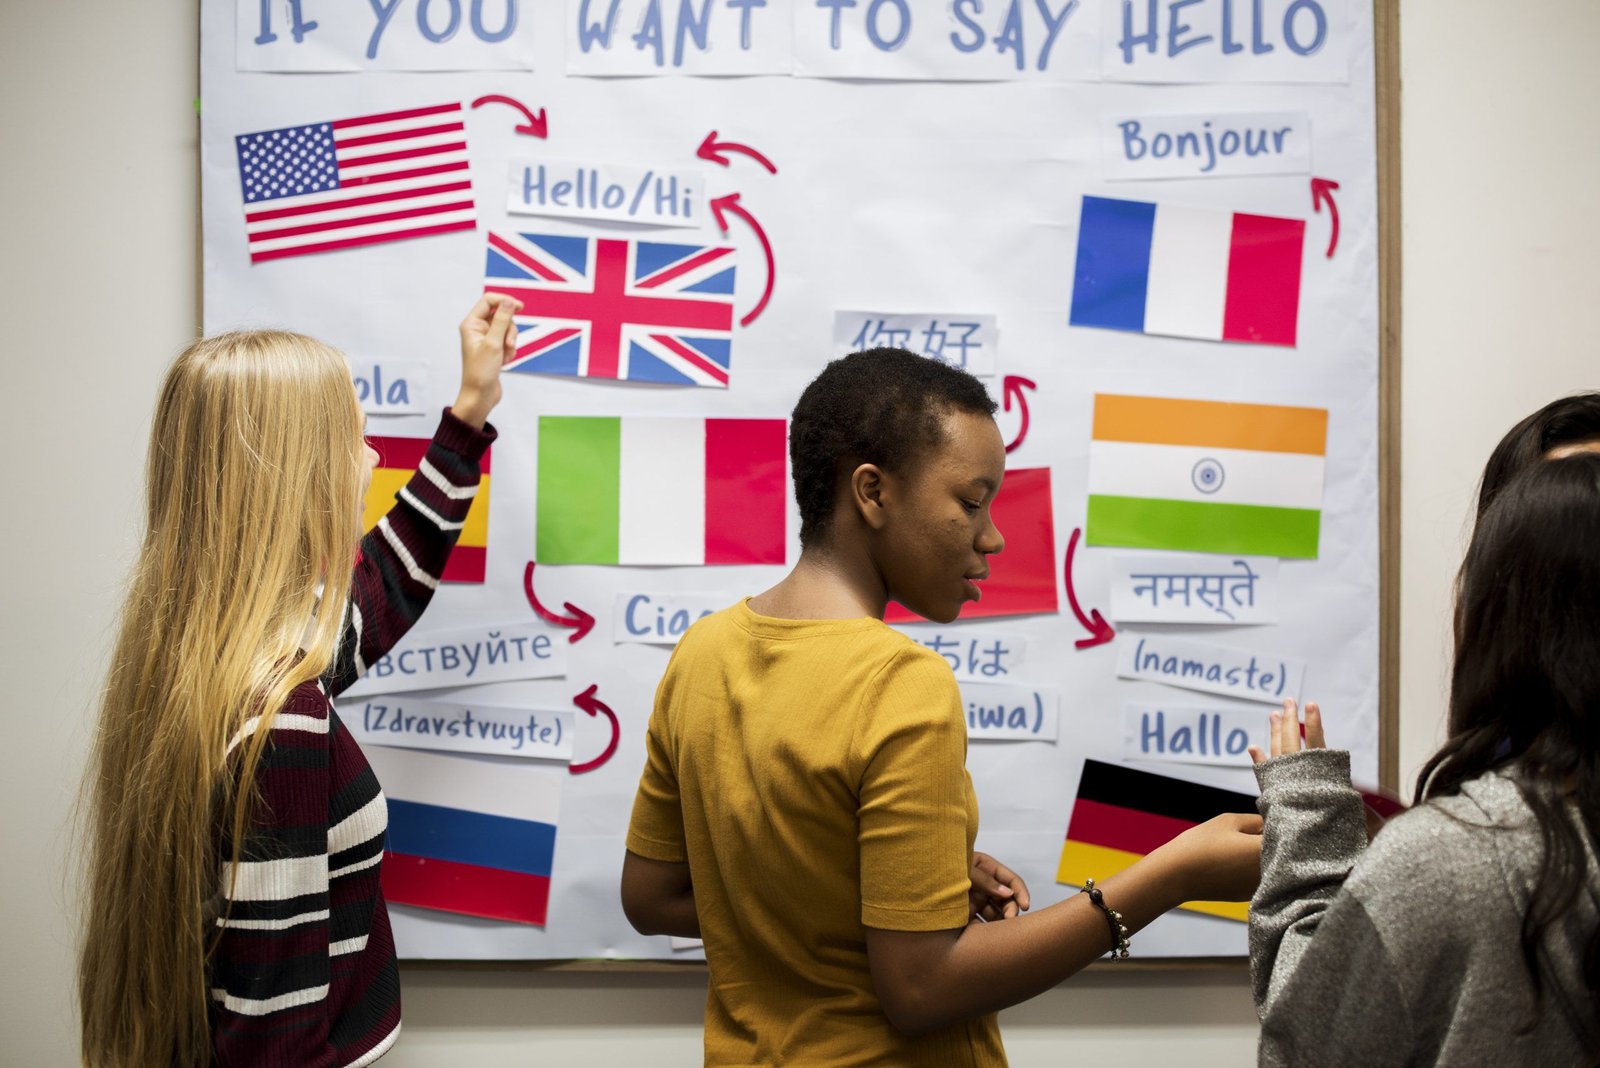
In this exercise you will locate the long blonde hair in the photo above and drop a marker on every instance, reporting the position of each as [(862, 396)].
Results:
[(253, 480)]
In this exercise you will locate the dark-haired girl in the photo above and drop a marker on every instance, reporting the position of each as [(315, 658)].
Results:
[(1468, 932), (805, 807)]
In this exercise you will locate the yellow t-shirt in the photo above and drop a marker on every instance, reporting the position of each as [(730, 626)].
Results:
[(813, 774)]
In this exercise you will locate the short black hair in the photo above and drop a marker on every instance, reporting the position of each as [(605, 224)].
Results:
[(1567, 421), (882, 406)]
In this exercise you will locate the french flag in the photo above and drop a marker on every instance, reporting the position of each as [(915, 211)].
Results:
[(1187, 272), (469, 834)]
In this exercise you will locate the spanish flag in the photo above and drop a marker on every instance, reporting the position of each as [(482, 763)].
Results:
[(398, 460), (1121, 814)]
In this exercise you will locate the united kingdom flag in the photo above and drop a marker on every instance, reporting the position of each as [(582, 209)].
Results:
[(598, 307)]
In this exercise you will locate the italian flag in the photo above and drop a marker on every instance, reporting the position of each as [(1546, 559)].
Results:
[(1206, 476), (661, 490)]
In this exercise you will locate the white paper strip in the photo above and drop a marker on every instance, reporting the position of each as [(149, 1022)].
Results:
[(1213, 145), (1181, 735), (970, 342), (531, 734), (1202, 588), (1243, 673), (491, 653), (634, 37), (662, 618), (1011, 713), (1204, 41), (390, 387), (975, 654), (997, 40), (1204, 473), (1188, 282), (614, 191), (297, 36)]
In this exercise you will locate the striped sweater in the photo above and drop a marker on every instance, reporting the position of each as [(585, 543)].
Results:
[(305, 971)]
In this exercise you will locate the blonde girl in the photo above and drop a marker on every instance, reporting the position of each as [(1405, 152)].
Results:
[(235, 831)]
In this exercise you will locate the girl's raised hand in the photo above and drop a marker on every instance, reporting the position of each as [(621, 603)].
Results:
[(488, 340), (1283, 730)]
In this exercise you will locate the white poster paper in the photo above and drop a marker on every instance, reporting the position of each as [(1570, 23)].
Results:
[(1050, 40), (531, 734), (1199, 588), (571, 189), (494, 653), (1213, 145), (637, 37), (975, 654), (970, 342), (662, 618), (1201, 41), (1011, 713), (1245, 673), (1189, 735), (298, 36), (390, 387)]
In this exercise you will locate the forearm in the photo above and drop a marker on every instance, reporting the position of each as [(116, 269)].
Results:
[(674, 916), (986, 967)]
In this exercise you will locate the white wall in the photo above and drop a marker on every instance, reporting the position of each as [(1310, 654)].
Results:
[(97, 278)]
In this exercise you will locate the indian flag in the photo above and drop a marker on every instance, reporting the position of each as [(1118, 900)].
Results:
[(1206, 476), (398, 460), (661, 490)]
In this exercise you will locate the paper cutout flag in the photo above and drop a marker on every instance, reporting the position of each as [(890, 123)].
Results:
[(359, 181), (600, 307), (1206, 476), (1121, 814), (1187, 272), (398, 460), (647, 490), (1022, 576), (468, 834)]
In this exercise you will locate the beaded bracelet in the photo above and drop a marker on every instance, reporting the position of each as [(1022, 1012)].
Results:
[(1119, 934)]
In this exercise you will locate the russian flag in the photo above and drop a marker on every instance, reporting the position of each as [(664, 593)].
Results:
[(469, 834), (1187, 272)]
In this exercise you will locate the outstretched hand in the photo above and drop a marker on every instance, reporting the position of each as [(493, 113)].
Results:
[(997, 892), (1283, 728), (488, 340)]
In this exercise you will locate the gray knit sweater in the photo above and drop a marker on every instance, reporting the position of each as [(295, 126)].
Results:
[(1408, 952)]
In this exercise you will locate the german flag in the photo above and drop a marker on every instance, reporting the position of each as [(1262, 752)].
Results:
[(398, 460), (1121, 814)]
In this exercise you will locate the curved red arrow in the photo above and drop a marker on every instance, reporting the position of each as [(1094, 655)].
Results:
[(580, 619), (1013, 386), (1322, 189), (1099, 630), (731, 203), (533, 125), (596, 707), (714, 150)]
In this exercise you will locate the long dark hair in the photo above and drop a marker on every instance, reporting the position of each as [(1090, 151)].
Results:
[(1570, 420), (1525, 687)]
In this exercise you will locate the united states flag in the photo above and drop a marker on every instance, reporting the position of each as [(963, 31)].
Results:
[(360, 181), (601, 307)]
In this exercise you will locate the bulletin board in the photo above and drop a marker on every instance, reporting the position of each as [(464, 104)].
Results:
[(1150, 226)]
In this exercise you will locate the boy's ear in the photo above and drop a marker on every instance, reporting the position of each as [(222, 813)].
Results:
[(868, 493)]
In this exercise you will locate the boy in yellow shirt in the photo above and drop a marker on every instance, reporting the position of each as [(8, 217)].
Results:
[(805, 806)]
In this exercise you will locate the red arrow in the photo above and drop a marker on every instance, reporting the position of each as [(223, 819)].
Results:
[(595, 707), (534, 126), (1013, 386), (731, 203), (1099, 630), (580, 619), (1322, 189), (713, 150)]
